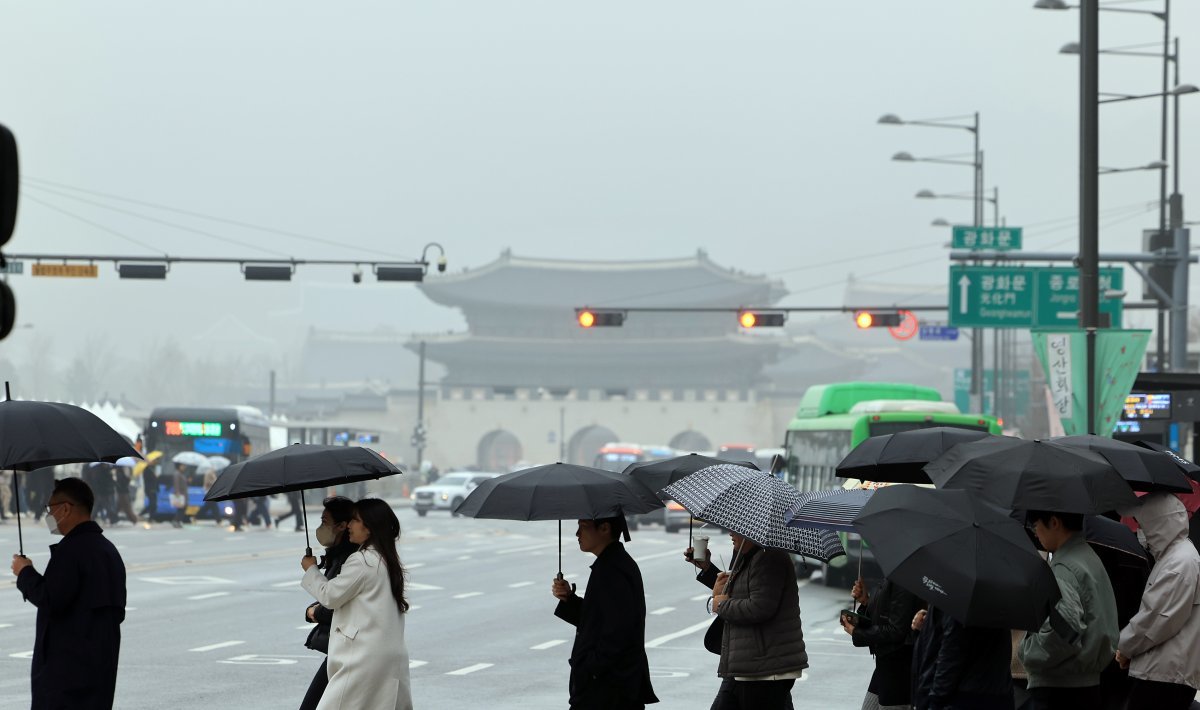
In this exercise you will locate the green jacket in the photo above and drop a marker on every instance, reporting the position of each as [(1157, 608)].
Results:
[(1089, 611)]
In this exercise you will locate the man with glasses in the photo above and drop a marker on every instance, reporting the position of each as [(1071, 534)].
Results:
[(81, 603)]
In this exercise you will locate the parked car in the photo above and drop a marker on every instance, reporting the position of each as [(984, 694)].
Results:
[(447, 492)]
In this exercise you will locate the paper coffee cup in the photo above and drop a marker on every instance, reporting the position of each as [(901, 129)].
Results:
[(700, 548)]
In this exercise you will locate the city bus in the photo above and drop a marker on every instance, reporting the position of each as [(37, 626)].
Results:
[(834, 418), (237, 433)]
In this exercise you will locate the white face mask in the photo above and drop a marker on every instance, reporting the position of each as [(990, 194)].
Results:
[(326, 535), (52, 523)]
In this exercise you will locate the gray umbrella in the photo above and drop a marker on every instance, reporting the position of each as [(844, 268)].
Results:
[(751, 504)]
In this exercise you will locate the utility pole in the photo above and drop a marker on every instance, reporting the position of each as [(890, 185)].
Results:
[(418, 437), (271, 398), (1089, 173)]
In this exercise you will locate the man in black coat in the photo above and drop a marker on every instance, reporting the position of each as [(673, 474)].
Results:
[(81, 604), (609, 670)]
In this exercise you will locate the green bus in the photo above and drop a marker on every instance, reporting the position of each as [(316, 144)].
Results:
[(832, 419)]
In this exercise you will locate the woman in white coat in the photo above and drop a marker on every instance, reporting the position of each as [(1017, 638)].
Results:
[(368, 661)]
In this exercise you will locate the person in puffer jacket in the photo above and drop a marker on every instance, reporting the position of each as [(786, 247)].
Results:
[(762, 646), (1161, 643)]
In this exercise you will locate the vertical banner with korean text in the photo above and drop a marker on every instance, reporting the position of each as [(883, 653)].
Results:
[(1063, 352)]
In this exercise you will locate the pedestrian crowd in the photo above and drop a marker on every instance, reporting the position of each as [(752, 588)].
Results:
[(1083, 656)]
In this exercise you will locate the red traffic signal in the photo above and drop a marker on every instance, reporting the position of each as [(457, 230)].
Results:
[(761, 319), (591, 318), (877, 319)]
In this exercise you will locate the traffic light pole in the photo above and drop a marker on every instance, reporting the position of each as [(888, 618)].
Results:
[(1089, 173)]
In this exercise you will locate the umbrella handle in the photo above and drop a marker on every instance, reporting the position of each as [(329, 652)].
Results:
[(308, 549), (17, 491)]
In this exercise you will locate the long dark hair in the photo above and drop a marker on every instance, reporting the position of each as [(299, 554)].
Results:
[(383, 529)]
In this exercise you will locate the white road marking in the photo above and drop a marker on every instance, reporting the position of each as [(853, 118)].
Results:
[(417, 664), (414, 565), (471, 669), (191, 579), (5, 626), (526, 548), (306, 627), (655, 643), (418, 587), (210, 595), (413, 607), (664, 610), (700, 597), (289, 583), (215, 646), (22, 654), (463, 557), (180, 542), (546, 645), (657, 555), (468, 595), (515, 585)]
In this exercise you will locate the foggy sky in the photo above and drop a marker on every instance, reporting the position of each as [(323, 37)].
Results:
[(615, 130)]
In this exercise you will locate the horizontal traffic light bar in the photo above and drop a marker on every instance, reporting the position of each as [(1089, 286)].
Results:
[(157, 267), (769, 317)]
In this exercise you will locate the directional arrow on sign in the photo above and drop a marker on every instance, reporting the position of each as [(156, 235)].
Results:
[(964, 287)]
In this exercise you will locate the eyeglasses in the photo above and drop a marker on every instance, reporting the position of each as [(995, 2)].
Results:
[(50, 506)]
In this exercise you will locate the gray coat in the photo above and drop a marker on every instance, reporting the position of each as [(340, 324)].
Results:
[(1162, 640), (762, 633)]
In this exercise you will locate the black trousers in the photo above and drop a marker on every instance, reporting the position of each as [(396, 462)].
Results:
[(1156, 695), (1065, 698), (317, 687), (754, 695)]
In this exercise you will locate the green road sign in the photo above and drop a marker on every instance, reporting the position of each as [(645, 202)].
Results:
[(991, 238), (1025, 296)]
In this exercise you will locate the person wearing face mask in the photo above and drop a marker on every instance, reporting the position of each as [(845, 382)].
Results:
[(762, 644), (1161, 643), (80, 602), (332, 535), (368, 659)]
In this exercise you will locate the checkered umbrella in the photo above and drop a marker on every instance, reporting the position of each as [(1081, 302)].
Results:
[(828, 510), (751, 504)]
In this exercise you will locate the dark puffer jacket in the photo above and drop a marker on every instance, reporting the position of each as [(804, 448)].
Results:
[(762, 633)]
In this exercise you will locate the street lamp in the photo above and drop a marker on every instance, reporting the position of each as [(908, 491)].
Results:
[(1153, 165), (1060, 5), (906, 157), (960, 123), (939, 222), (927, 194)]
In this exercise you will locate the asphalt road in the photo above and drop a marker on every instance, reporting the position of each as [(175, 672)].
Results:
[(215, 619)]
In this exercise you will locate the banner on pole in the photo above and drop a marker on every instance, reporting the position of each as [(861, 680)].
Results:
[(1063, 353)]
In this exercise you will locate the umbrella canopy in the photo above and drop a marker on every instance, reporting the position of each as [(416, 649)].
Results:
[(828, 510), (190, 458), (1100, 532), (751, 504), (1143, 469), (1033, 475), (558, 491), (150, 459), (40, 434), (1190, 469), (219, 463), (299, 467), (964, 555), (900, 457), (657, 475)]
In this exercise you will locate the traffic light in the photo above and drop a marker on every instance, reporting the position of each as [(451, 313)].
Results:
[(761, 319), (592, 318), (9, 178), (877, 319)]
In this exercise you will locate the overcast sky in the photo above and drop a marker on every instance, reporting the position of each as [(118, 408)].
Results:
[(601, 130)]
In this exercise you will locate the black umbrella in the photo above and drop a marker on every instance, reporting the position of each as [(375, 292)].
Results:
[(1143, 469), (1189, 468), (752, 504), (1033, 475), (559, 491), (900, 457), (657, 475), (299, 467), (964, 555), (40, 434)]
